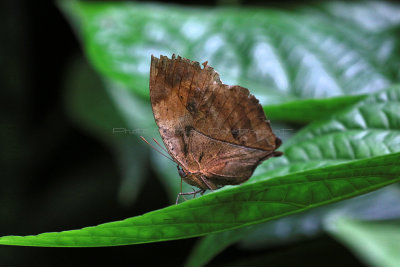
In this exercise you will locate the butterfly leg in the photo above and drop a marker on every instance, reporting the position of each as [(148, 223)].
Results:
[(201, 191), (188, 193), (194, 195), (207, 183)]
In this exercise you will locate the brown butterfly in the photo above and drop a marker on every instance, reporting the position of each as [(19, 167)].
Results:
[(216, 133)]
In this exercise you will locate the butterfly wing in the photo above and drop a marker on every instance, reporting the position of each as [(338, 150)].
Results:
[(222, 162), (187, 99), (169, 78)]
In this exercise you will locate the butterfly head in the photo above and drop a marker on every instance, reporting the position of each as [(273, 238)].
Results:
[(181, 172)]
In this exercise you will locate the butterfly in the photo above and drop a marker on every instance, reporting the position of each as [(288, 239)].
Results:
[(217, 134)]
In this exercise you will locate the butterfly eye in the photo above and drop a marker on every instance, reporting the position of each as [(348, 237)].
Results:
[(181, 172)]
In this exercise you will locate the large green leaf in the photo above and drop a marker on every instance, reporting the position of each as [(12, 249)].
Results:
[(369, 128), (376, 242), (280, 55), (309, 224), (304, 111), (234, 207)]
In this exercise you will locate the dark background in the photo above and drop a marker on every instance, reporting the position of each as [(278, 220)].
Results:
[(55, 176)]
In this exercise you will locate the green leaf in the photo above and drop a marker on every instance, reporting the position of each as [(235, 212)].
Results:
[(304, 111), (279, 55), (375, 242), (311, 223), (369, 128), (365, 15), (233, 207), (297, 227)]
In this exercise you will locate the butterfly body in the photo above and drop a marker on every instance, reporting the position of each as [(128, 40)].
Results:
[(216, 133)]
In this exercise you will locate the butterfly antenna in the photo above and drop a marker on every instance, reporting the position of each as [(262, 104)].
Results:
[(160, 145), (156, 149)]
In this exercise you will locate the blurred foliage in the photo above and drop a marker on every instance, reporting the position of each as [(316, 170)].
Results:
[(333, 66), (376, 242), (90, 106)]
